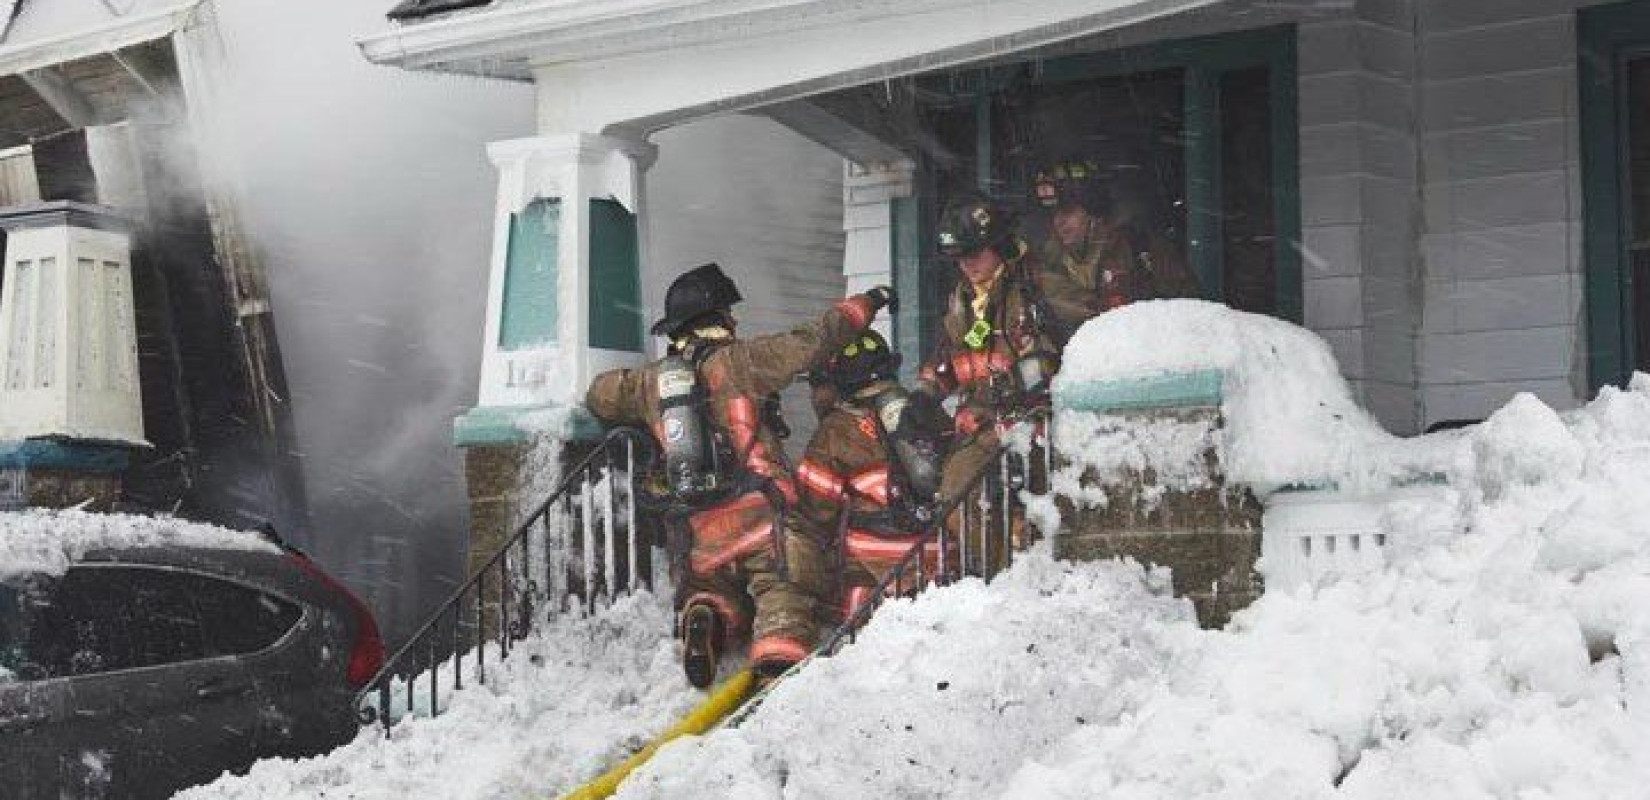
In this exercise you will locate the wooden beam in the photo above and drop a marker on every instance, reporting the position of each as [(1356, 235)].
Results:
[(60, 93)]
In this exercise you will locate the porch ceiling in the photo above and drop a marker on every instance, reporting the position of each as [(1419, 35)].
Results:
[(642, 65)]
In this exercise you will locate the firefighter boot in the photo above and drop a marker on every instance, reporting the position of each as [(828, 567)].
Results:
[(701, 645)]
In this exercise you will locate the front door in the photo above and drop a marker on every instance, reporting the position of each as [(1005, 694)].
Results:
[(1614, 69)]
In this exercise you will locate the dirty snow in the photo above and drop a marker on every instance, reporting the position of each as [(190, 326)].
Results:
[(47, 542), (571, 700)]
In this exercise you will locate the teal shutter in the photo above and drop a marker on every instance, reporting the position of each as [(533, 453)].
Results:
[(529, 314), (615, 278)]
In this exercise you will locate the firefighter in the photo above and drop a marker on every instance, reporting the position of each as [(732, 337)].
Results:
[(994, 354), (1093, 261), (870, 472), (738, 568)]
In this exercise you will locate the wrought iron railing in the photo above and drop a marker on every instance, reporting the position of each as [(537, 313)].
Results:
[(990, 524), (581, 544)]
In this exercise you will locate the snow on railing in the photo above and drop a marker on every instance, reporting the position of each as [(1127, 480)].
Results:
[(581, 545)]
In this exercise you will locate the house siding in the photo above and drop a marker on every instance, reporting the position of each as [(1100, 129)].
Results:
[(763, 202), (1502, 217), (1440, 181)]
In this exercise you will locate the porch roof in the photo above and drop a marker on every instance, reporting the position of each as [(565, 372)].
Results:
[(643, 65)]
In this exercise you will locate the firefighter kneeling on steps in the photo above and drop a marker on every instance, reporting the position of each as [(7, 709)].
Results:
[(872, 468), (994, 355), (729, 487)]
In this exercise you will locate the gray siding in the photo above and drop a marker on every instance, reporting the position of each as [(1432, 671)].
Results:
[(1502, 212), (1440, 184), (764, 203)]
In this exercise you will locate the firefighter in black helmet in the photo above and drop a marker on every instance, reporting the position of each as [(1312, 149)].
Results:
[(729, 484), (871, 471), (994, 353), (1093, 260)]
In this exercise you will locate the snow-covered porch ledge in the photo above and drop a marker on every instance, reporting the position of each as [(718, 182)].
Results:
[(1191, 436)]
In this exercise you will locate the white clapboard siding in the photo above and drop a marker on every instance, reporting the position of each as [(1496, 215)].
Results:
[(764, 203)]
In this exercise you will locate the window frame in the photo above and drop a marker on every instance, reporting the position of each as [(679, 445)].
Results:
[(1203, 60), (306, 612), (1607, 37)]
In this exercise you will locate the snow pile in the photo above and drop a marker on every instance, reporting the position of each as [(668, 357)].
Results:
[(1289, 417), (947, 694), (1509, 657), (48, 542), (571, 700)]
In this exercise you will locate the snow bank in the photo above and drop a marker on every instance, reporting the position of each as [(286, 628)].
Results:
[(48, 542), (1506, 657), (572, 700), (1289, 417)]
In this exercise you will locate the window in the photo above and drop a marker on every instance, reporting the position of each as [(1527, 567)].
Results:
[(104, 619), (1194, 140)]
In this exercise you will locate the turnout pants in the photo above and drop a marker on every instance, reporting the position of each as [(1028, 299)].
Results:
[(776, 610)]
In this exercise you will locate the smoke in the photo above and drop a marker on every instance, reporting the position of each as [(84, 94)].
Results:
[(368, 194)]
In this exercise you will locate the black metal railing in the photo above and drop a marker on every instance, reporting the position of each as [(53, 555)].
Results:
[(581, 544), (990, 527)]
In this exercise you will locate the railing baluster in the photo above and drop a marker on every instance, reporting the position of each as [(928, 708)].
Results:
[(435, 672), (553, 584), (636, 577), (587, 539), (504, 606), (610, 545), (458, 649), (481, 627), (1005, 493)]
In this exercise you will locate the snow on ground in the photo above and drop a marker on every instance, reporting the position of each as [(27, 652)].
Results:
[(1507, 658), (573, 699), (1502, 652), (47, 542)]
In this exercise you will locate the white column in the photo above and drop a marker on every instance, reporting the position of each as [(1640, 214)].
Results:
[(567, 172), (68, 338), (868, 196)]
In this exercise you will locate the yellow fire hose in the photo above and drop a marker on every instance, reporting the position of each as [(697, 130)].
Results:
[(721, 703)]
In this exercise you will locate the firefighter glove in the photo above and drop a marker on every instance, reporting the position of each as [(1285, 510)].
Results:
[(883, 297)]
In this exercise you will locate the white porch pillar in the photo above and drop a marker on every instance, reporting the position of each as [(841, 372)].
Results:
[(868, 214), (563, 290)]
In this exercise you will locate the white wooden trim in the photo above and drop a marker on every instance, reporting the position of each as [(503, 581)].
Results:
[(116, 35)]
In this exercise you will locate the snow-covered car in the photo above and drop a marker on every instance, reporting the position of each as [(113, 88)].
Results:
[(135, 665)]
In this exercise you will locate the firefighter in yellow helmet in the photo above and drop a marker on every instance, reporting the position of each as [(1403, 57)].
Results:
[(1092, 260), (738, 563), (870, 472)]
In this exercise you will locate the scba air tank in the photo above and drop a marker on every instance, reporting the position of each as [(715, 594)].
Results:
[(690, 452), (917, 452)]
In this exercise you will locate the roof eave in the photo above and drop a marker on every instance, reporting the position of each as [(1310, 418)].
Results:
[(115, 35), (507, 42)]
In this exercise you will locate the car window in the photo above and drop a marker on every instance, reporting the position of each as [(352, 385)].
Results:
[(103, 619), (236, 619)]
